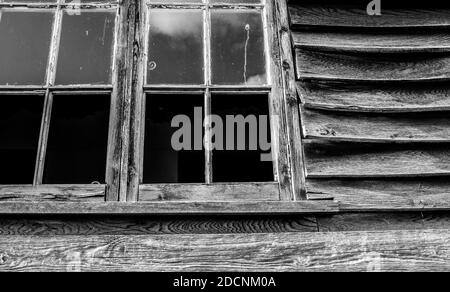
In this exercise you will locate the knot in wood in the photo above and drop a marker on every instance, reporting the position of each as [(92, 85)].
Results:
[(3, 258)]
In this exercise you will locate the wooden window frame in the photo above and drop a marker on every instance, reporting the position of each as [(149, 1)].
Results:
[(37, 191), (124, 194), (283, 189)]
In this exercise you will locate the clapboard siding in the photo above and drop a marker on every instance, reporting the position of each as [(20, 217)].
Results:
[(370, 67), (328, 159), (375, 102), (387, 98), (355, 15), (435, 42), (373, 191), (376, 128)]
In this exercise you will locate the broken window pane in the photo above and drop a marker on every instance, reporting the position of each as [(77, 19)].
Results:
[(24, 46), (175, 47), (238, 48), (85, 51), (181, 160), (242, 153), (20, 120), (78, 138)]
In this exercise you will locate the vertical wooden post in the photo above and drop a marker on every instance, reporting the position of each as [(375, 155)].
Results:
[(121, 100), (291, 100)]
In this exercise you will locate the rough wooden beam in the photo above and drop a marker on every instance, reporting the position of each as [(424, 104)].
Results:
[(145, 225), (166, 208), (213, 192), (425, 250)]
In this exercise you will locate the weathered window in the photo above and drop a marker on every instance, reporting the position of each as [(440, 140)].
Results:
[(56, 64), (144, 100)]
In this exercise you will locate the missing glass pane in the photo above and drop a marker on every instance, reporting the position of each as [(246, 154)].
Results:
[(85, 52), (78, 137), (20, 120), (175, 47), (237, 48), (242, 153), (174, 154), (24, 46)]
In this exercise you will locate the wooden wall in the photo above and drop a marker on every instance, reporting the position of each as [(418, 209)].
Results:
[(375, 101), (375, 98)]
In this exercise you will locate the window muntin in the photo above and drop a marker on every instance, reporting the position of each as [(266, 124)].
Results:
[(57, 50)]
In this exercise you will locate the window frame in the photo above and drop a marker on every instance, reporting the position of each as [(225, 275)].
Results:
[(37, 191), (280, 190), (123, 189)]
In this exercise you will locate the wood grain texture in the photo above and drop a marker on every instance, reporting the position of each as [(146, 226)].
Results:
[(335, 15), (66, 193), (63, 225), (393, 67), (168, 208), (375, 97), (361, 160), (383, 194), (370, 42), (423, 250), (399, 128), (374, 222), (291, 101), (214, 192)]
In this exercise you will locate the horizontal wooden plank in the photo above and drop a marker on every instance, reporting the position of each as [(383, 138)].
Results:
[(168, 208), (388, 194), (65, 193), (214, 192), (383, 221), (362, 67), (327, 159), (369, 42), (420, 250), (352, 16), (376, 97), (373, 222), (145, 225), (399, 128)]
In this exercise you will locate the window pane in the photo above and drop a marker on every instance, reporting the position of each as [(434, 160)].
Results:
[(175, 47), (85, 52), (167, 162), (78, 138), (20, 120), (244, 154), (24, 46), (237, 48)]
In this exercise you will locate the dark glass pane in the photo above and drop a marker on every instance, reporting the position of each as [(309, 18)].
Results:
[(85, 52), (175, 47), (244, 157), (24, 46), (237, 48), (20, 120), (167, 162), (78, 139)]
